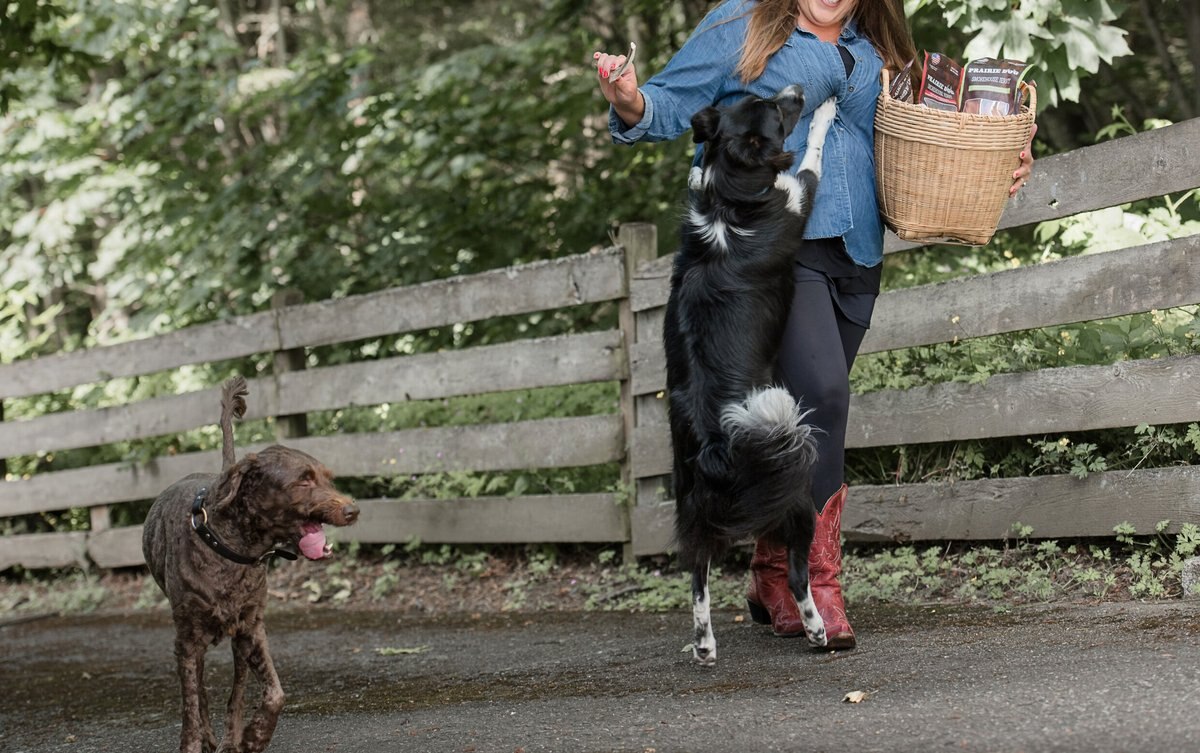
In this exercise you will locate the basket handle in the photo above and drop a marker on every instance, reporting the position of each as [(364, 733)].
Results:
[(1029, 90), (1031, 95)]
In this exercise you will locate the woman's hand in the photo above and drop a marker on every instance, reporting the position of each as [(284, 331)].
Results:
[(622, 93), (1021, 176)]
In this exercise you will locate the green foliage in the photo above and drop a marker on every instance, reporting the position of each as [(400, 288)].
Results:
[(1078, 454), (1021, 570), (203, 168), (1061, 40), (75, 592), (39, 32), (200, 179), (634, 587), (1156, 561)]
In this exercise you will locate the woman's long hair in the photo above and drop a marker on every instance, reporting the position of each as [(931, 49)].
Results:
[(772, 21)]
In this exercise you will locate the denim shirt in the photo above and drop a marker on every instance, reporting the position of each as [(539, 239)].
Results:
[(703, 73)]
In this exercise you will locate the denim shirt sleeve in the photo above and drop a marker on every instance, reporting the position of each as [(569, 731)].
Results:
[(696, 77)]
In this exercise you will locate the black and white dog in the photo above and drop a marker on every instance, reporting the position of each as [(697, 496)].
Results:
[(742, 452)]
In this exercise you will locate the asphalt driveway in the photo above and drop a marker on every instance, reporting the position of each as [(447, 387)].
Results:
[(1095, 678)]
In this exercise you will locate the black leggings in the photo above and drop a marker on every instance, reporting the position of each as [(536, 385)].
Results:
[(819, 347)]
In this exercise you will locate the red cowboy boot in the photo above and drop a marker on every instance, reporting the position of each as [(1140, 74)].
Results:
[(824, 566), (770, 599)]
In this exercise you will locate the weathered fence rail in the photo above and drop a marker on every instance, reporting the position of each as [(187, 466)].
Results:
[(1050, 401)]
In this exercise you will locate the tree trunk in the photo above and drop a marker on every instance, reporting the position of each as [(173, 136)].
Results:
[(1170, 70), (1191, 14)]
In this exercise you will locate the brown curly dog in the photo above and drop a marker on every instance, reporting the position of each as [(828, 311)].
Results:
[(207, 540)]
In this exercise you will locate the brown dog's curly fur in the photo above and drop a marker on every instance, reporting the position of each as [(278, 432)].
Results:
[(253, 504)]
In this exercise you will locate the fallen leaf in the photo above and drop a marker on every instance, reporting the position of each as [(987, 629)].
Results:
[(739, 618), (390, 651), (687, 648), (854, 696)]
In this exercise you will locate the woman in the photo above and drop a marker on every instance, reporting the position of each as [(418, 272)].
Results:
[(831, 48)]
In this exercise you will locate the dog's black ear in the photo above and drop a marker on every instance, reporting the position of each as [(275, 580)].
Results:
[(782, 161), (705, 124)]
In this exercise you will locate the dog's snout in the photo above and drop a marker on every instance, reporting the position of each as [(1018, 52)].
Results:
[(350, 512), (793, 92), (790, 103)]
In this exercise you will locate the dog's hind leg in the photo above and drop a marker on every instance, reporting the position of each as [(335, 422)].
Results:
[(252, 648), (704, 643), (236, 709), (209, 738), (814, 626)]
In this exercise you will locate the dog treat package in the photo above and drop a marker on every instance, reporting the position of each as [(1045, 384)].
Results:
[(901, 87), (985, 86), (992, 87), (940, 78)]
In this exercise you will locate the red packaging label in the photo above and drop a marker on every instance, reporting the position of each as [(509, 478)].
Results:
[(939, 82)]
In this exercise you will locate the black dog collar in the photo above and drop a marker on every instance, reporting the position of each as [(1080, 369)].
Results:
[(207, 535)]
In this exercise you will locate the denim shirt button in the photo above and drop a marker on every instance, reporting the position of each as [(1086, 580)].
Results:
[(851, 87)]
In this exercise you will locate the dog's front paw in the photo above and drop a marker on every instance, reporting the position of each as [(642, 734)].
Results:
[(817, 639), (705, 656), (814, 626), (827, 110), (695, 178)]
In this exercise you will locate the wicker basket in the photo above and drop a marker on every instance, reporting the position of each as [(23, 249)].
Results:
[(945, 175)]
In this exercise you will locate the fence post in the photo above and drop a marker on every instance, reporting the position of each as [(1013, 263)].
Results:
[(639, 240), (283, 361)]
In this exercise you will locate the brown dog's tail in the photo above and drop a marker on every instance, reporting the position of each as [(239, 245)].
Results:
[(233, 405)]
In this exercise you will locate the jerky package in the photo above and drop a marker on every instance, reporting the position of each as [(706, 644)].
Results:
[(939, 82), (992, 87), (901, 87)]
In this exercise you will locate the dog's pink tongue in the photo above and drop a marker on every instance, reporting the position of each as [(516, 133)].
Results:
[(312, 543)]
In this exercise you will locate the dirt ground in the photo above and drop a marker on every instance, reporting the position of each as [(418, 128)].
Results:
[(517, 654), (1068, 677)]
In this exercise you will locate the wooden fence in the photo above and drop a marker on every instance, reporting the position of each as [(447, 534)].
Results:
[(290, 394), (1052, 401)]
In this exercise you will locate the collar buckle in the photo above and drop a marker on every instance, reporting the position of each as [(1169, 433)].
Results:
[(210, 538)]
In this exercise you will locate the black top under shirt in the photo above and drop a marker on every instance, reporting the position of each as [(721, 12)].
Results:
[(828, 255)]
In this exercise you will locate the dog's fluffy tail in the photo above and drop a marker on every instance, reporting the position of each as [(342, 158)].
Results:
[(773, 452), (233, 405)]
